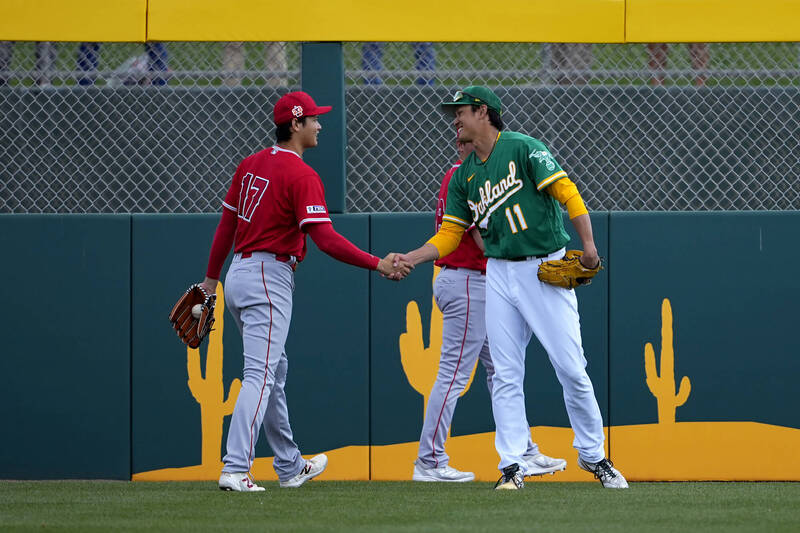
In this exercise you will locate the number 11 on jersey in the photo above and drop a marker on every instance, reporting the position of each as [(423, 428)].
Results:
[(517, 211)]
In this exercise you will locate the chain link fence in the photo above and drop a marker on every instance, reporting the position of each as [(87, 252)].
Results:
[(110, 127)]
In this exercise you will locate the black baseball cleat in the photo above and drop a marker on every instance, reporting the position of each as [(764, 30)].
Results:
[(511, 479)]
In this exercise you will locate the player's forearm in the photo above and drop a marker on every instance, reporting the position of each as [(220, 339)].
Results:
[(335, 245), (583, 227), (423, 254), (221, 246), (210, 284)]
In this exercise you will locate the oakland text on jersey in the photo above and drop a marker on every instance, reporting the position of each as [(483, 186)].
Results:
[(494, 196)]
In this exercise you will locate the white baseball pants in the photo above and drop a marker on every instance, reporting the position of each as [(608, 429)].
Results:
[(518, 304), (461, 296)]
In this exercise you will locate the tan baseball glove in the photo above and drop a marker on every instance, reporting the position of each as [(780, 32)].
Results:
[(568, 272), (193, 315)]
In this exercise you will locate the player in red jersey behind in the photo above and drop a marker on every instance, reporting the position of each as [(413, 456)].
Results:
[(275, 199)]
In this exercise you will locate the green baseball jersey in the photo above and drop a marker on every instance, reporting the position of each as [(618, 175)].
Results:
[(505, 198)]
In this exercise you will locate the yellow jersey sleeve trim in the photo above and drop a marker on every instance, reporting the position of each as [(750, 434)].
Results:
[(447, 239), (550, 179), (576, 207), (456, 220), (565, 191)]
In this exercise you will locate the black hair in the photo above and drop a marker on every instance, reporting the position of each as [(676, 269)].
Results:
[(495, 120), (494, 116), (283, 132)]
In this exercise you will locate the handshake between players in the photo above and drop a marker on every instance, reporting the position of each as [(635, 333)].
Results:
[(395, 267)]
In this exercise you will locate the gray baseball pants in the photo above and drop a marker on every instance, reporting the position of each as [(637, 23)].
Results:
[(258, 293), (461, 296)]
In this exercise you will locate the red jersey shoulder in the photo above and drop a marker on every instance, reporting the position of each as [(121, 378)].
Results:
[(442, 200), (272, 168), (277, 159), (449, 175)]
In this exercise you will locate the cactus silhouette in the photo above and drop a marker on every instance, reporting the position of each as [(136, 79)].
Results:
[(209, 391), (421, 364), (663, 386)]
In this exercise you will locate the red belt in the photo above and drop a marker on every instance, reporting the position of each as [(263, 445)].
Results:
[(463, 268), (283, 258)]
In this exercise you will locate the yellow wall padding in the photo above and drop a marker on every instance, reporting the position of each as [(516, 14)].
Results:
[(387, 20), (70, 20), (712, 21), (610, 21)]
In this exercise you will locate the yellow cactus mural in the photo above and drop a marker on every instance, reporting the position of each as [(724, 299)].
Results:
[(421, 364), (209, 391), (686, 450), (663, 386)]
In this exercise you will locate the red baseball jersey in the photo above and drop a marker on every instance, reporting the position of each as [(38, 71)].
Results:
[(274, 194), (467, 255)]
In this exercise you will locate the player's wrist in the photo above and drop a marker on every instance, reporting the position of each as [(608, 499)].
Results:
[(427, 252), (590, 257)]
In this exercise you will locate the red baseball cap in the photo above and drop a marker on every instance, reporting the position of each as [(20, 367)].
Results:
[(296, 105)]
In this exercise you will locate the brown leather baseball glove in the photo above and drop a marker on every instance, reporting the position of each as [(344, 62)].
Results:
[(568, 272), (191, 329)]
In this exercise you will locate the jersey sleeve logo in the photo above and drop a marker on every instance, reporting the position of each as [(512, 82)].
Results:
[(544, 158), (250, 194), (312, 209)]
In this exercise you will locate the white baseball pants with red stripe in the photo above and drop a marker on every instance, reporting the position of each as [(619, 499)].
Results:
[(461, 296), (517, 305), (258, 293)]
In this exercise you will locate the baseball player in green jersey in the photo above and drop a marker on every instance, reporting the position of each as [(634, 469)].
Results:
[(512, 188)]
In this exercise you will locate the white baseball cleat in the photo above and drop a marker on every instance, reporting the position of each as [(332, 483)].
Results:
[(314, 467), (239, 482), (511, 479), (540, 464), (442, 473), (604, 470)]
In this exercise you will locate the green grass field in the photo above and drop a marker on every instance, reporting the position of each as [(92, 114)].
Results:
[(399, 506)]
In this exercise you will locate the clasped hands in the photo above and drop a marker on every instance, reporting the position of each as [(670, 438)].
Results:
[(395, 266)]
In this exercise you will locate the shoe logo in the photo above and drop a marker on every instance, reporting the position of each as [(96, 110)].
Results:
[(307, 468)]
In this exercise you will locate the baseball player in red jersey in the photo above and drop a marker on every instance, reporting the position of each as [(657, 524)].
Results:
[(274, 200), (460, 293)]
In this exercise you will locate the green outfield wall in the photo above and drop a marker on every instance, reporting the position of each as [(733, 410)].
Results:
[(66, 346), (687, 334)]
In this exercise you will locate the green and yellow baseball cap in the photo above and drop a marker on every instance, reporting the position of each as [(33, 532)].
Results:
[(473, 95)]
